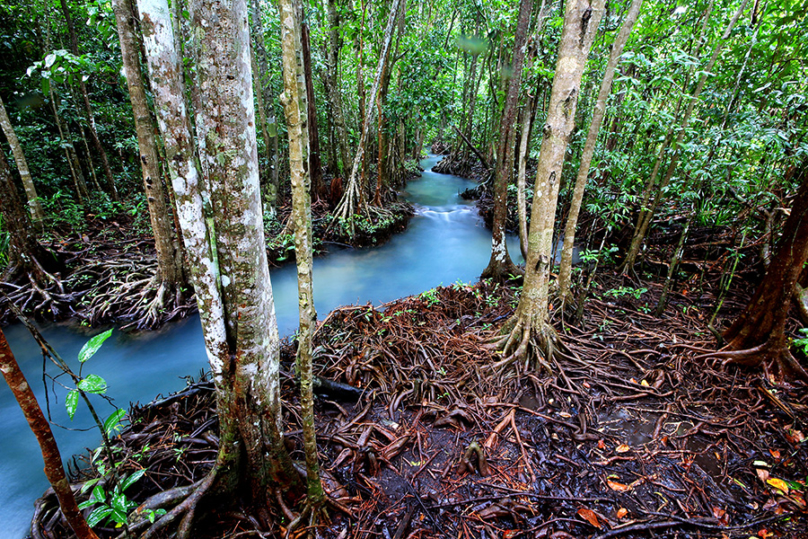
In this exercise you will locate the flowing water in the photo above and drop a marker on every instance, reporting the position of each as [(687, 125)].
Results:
[(444, 242)]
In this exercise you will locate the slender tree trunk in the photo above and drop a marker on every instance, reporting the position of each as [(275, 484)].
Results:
[(646, 216), (169, 263), (221, 219), (351, 199), (34, 206), (294, 103), (315, 163), (26, 257), (589, 148), (70, 151), (528, 332), (334, 86), (500, 266), (40, 426), (88, 109), (266, 114)]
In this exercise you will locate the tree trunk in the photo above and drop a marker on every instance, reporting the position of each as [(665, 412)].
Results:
[(70, 152), (757, 336), (221, 219), (40, 426), (528, 332), (169, 262), (351, 199), (88, 109), (34, 206), (646, 216), (25, 256), (269, 126), (294, 103), (334, 86), (589, 148), (500, 266), (315, 163)]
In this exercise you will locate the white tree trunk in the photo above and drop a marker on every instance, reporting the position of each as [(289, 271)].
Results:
[(34, 206)]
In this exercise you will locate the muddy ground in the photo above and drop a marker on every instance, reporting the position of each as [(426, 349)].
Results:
[(631, 435)]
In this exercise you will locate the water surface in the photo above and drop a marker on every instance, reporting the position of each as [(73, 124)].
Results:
[(444, 242)]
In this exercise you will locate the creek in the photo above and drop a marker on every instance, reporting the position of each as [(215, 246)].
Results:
[(445, 242)]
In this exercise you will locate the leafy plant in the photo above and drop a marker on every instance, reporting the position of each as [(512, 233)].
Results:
[(626, 291)]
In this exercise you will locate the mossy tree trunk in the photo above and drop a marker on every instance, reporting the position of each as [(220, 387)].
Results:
[(220, 214), (589, 148), (296, 109), (34, 206), (528, 332)]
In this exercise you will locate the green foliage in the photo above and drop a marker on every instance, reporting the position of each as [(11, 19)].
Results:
[(802, 343), (636, 293), (431, 297), (5, 239)]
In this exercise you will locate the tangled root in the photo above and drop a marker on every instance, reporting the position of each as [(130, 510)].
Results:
[(523, 340), (772, 355)]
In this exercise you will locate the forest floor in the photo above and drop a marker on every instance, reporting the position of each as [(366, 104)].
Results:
[(635, 436), (109, 266)]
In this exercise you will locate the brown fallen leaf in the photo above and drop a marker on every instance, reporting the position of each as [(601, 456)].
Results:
[(775, 453), (589, 516), (795, 436), (623, 448), (622, 512), (618, 487), (762, 474)]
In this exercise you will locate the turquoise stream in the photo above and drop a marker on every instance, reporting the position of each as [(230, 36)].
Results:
[(445, 242)]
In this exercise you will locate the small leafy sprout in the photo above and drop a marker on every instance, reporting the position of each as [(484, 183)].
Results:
[(91, 383), (113, 506), (431, 297), (802, 343)]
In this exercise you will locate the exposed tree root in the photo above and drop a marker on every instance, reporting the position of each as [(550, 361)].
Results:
[(773, 355), (522, 340), (186, 509)]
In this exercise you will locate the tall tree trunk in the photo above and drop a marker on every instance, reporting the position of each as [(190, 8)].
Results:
[(34, 206), (315, 163), (334, 86), (294, 103), (500, 266), (221, 219), (589, 148), (351, 199), (528, 332), (70, 151), (169, 262), (757, 337), (269, 124), (40, 426), (647, 215), (88, 109)]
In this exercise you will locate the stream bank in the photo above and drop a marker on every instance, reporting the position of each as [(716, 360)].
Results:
[(633, 435)]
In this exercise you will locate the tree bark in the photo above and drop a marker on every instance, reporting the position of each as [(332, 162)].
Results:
[(88, 109), (528, 332), (758, 336), (169, 262), (294, 103), (266, 114), (500, 266), (221, 219), (334, 86), (34, 206), (589, 148), (315, 163), (54, 470)]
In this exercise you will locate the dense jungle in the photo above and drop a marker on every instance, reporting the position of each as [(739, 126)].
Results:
[(396, 269)]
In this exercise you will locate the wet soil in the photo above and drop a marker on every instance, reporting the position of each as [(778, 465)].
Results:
[(631, 436)]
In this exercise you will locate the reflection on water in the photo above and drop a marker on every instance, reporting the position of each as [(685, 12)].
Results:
[(444, 242)]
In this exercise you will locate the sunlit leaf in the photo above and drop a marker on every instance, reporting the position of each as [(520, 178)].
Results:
[(71, 403), (92, 346), (93, 384)]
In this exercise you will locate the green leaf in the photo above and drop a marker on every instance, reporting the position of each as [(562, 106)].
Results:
[(114, 420), (88, 503), (98, 494), (93, 384), (49, 59), (45, 86), (71, 403), (132, 479), (88, 485), (98, 515), (92, 346)]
